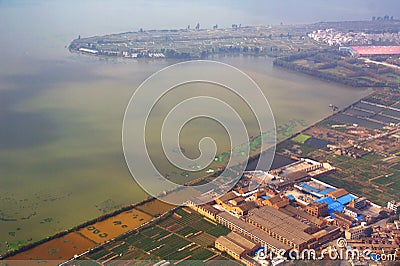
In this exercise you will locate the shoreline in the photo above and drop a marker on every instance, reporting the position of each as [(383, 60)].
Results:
[(149, 199)]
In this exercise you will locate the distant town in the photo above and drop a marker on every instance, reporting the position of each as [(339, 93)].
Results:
[(332, 188), (358, 54)]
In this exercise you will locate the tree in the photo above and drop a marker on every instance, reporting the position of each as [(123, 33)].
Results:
[(373, 18), (383, 214)]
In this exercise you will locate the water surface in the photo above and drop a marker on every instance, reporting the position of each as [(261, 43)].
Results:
[(61, 160)]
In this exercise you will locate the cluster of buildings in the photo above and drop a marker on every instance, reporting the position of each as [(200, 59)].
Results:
[(394, 206), (355, 151), (381, 241), (333, 37), (140, 53), (290, 210), (136, 54)]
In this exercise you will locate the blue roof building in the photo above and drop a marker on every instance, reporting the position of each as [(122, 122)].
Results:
[(346, 199)]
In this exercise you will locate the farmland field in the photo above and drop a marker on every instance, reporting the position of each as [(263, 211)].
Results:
[(301, 138), (155, 207), (182, 237), (58, 249), (105, 230)]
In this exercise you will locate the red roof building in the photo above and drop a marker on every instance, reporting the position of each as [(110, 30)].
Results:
[(376, 50)]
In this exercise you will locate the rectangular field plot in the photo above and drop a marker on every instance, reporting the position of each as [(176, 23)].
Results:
[(385, 119), (163, 247), (347, 119), (171, 248), (203, 239), (301, 138), (202, 255), (102, 255), (186, 231), (385, 180), (119, 248), (204, 225), (142, 242), (168, 221), (391, 112), (155, 207), (85, 262), (358, 112), (188, 220), (219, 230), (99, 254), (187, 244), (62, 248), (114, 226), (155, 232), (368, 107)]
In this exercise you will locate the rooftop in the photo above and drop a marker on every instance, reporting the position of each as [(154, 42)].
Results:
[(228, 196), (209, 208), (304, 215), (281, 223), (376, 50), (346, 199), (253, 230), (247, 206), (337, 193), (241, 240), (229, 244)]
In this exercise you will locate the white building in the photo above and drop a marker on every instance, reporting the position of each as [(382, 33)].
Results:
[(393, 205)]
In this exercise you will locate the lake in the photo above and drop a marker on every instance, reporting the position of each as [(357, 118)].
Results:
[(61, 160)]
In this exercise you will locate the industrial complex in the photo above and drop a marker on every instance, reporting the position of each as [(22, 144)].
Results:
[(290, 210)]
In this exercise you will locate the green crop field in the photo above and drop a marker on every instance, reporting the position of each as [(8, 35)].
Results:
[(186, 231), (184, 235), (301, 138)]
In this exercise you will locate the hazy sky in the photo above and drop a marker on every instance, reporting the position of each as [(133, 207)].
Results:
[(28, 25), (133, 14)]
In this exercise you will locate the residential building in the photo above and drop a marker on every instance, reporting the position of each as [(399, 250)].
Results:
[(350, 211), (317, 209), (359, 203), (358, 232), (393, 206), (342, 220)]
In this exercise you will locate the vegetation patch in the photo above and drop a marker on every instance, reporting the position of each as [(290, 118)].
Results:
[(301, 138)]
